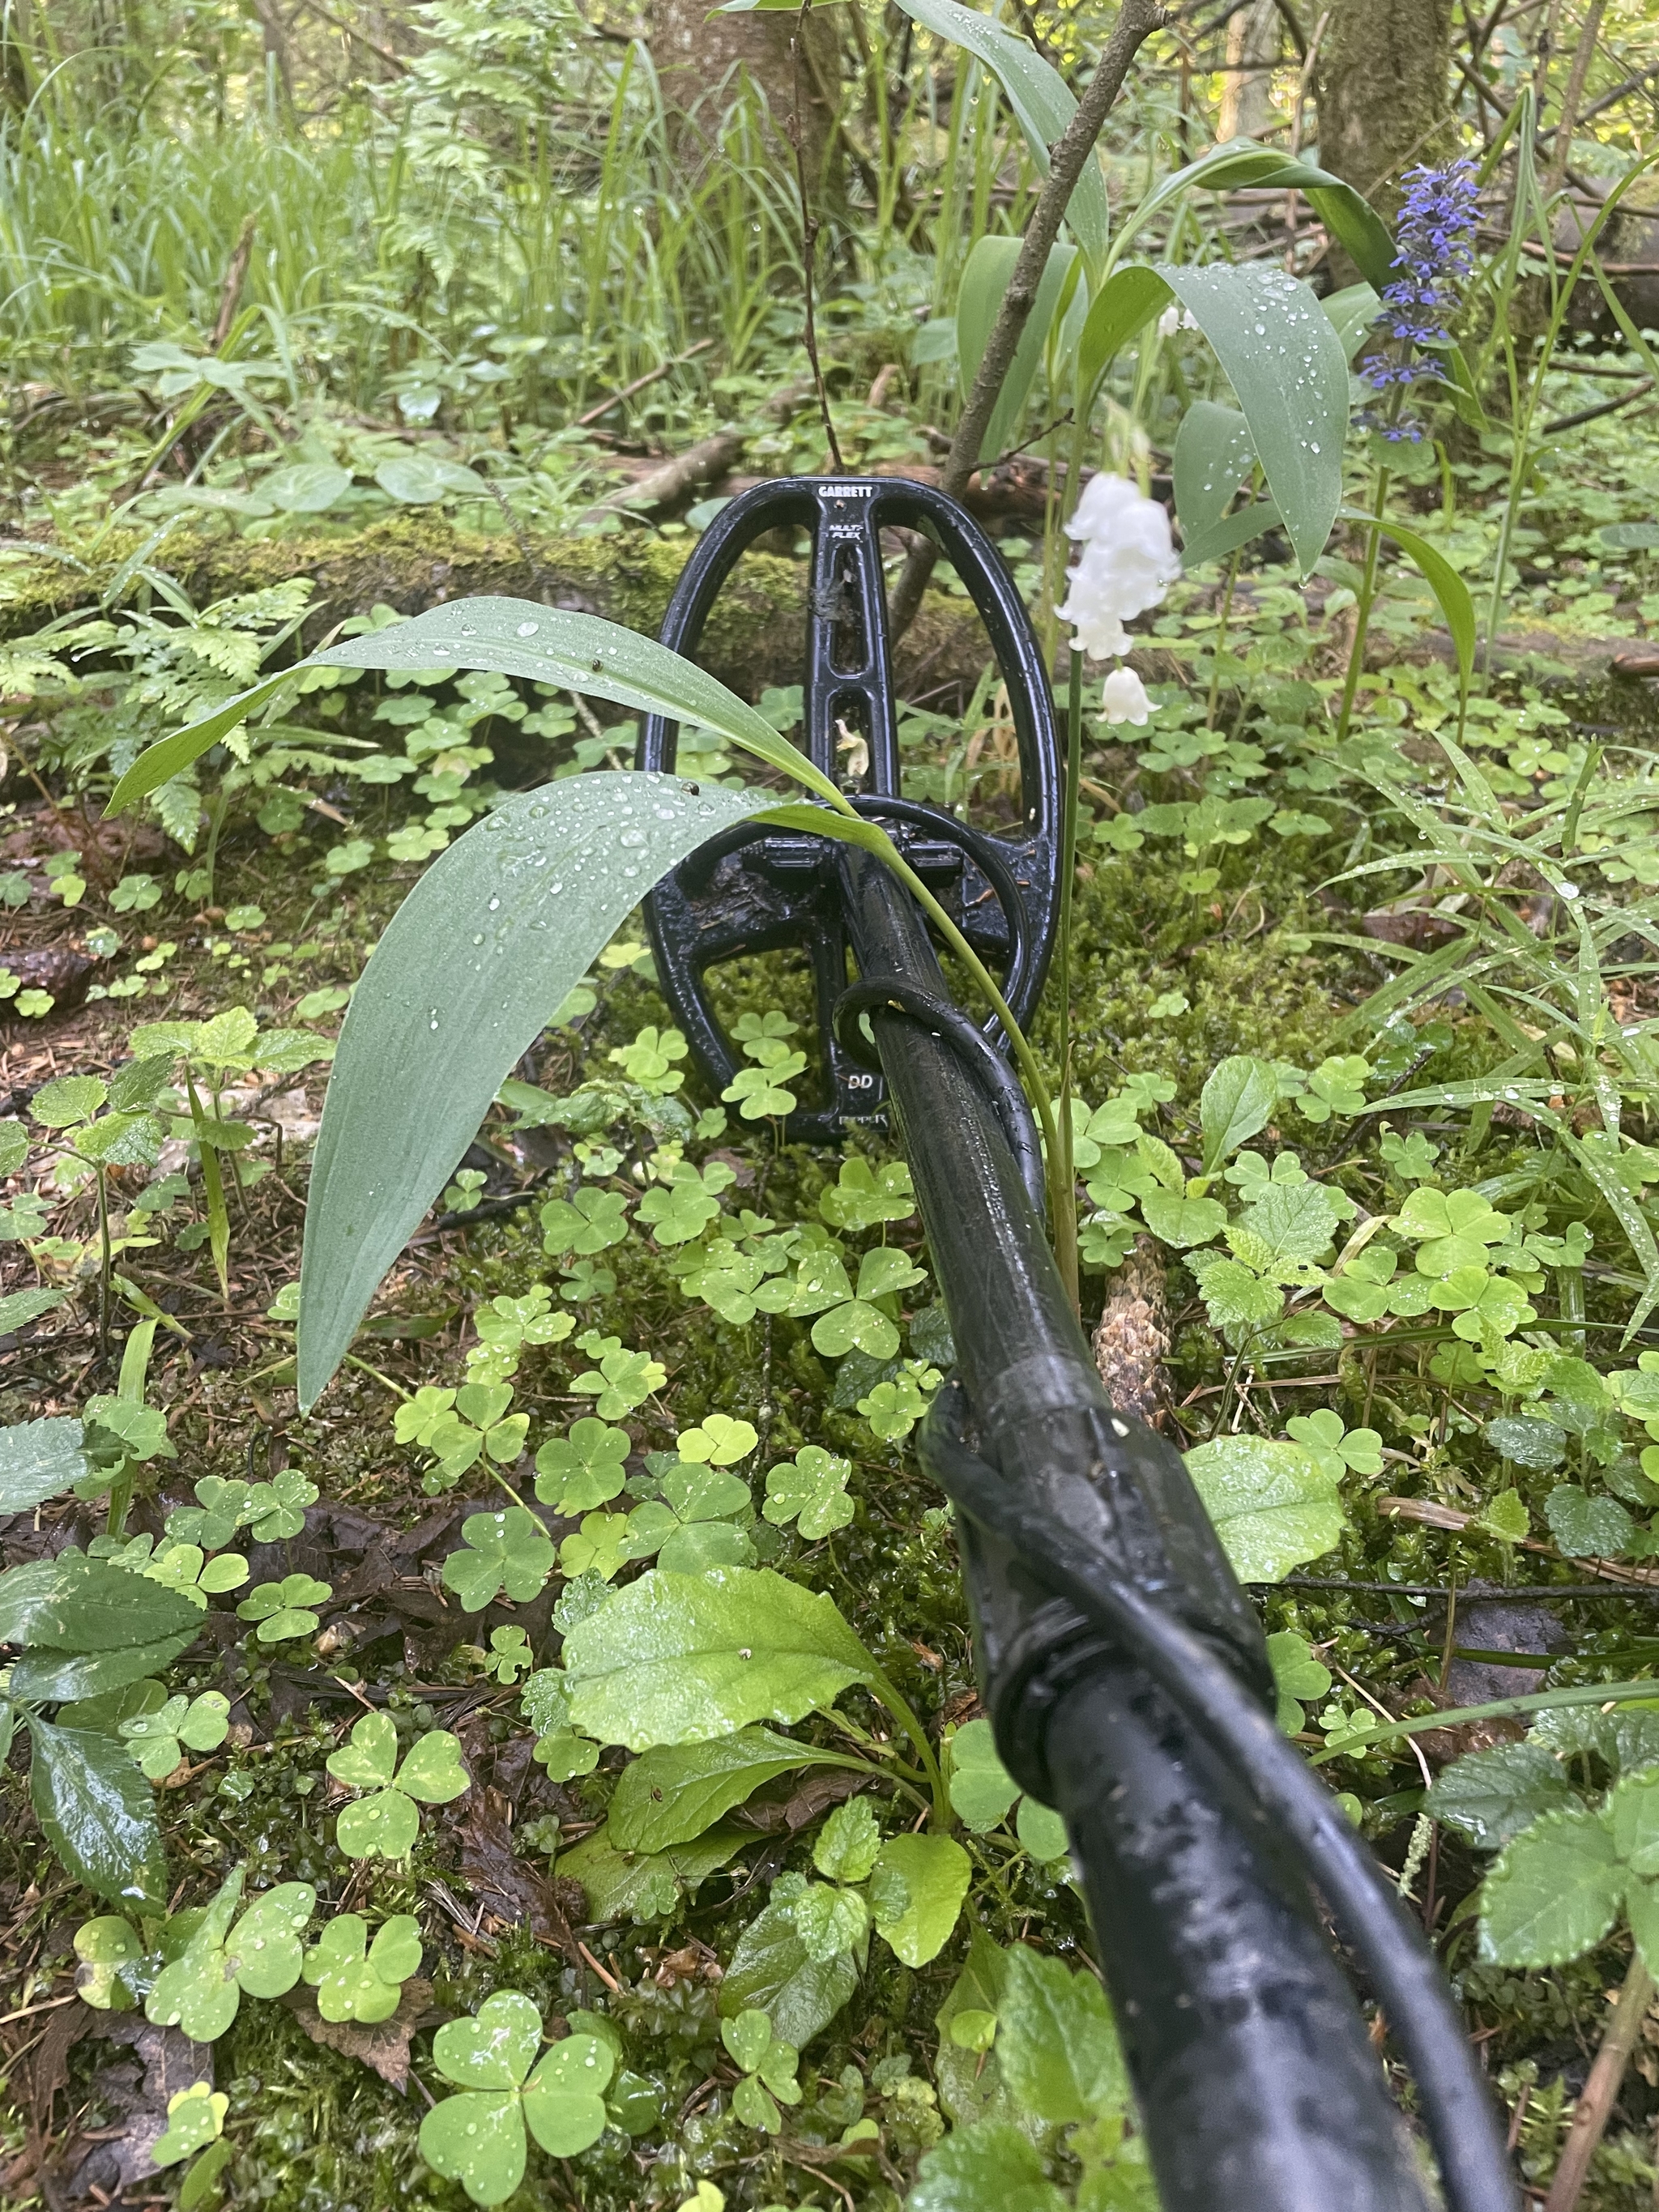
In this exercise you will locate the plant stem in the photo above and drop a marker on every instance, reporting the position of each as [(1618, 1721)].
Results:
[(1594, 2106), (890, 1697), (1362, 608), (120, 1498), (1221, 636), (103, 1263), (1063, 1193)]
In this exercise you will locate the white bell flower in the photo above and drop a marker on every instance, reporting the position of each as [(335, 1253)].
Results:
[(1126, 564), (1124, 698)]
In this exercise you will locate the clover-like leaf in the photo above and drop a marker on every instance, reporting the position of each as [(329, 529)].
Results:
[(196, 2117), (107, 1947), (284, 1608), (810, 1490), (622, 1380), (508, 1549), (862, 1196), (156, 1738), (982, 1791), (583, 1469), (357, 1980), (385, 1823), (718, 1441), (477, 2137), (200, 1990)]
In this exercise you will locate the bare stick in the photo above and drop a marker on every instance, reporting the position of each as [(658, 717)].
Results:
[(1137, 21), (1595, 2107), (809, 246)]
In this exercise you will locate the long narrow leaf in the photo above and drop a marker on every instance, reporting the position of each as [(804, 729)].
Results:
[(1122, 307), (1038, 95), (485, 947), (513, 637)]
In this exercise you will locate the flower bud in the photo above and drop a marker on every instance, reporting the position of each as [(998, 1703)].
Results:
[(1124, 698)]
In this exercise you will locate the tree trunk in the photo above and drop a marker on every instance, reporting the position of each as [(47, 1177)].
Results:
[(1385, 98), (1253, 37), (700, 59)]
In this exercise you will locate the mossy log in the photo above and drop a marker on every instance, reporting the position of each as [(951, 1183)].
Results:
[(755, 635)]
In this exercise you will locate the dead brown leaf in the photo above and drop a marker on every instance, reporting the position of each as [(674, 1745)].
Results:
[(382, 2045), (508, 1886)]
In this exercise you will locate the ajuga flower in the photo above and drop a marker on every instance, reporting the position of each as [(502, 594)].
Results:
[(1437, 253), (1125, 564), (1123, 698)]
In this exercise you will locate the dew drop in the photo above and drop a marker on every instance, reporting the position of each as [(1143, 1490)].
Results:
[(433, 1019), (632, 838), (493, 902), (1570, 890), (443, 652), (528, 629), (478, 939)]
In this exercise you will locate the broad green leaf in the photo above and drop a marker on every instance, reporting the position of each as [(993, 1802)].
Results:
[(384, 1825), (1182, 1222), (196, 2117), (647, 1884), (38, 1460), (671, 1795), (1286, 366), (1632, 1814), (97, 1812), (1350, 314), (1038, 93), (495, 933), (1119, 310), (1240, 165), (1042, 1831), (1056, 2042), (422, 479), (1214, 454), (1237, 1101), (1443, 581), (848, 1843), (71, 1604), (1586, 1527), (1492, 1795), (771, 1969), (935, 1871), (991, 2167), (683, 1658), (546, 645), (169, 756), (1273, 1507), (982, 1790), (985, 280), (830, 1922), (61, 1680), (306, 487), (1554, 1892), (105, 1948)]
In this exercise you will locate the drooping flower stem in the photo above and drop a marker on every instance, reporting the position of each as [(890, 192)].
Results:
[(1228, 589), (1063, 1180)]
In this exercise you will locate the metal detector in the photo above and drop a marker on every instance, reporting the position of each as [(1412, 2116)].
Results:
[(1123, 1668)]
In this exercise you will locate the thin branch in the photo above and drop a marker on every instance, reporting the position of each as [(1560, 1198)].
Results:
[(1137, 21), (1593, 2111)]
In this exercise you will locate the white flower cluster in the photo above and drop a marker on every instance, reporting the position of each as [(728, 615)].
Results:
[(1125, 564)]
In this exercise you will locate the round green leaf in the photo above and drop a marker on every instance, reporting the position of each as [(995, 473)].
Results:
[(564, 2099), (433, 1770), (369, 1761), (306, 488), (495, 2048), (478, 2140), (384, 1825)]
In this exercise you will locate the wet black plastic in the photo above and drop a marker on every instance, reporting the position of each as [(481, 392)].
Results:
[(756, 891), (1256, 2079)]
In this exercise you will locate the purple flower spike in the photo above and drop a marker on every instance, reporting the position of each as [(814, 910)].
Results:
[(1437, 253)]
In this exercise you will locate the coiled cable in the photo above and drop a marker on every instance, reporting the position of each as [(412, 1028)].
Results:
[(1457, 2109)]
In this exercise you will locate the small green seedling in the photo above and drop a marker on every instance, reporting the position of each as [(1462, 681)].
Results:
[(477, 2137), (769, 2069), (508, 1549), (509, 1655), (108, 1948), (865, 1197), (201, 1990), (196, 2117), (158, 1741), (385, 1823), (355, 1979), (718, 1441), (284, 1608), (621, 1380)]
